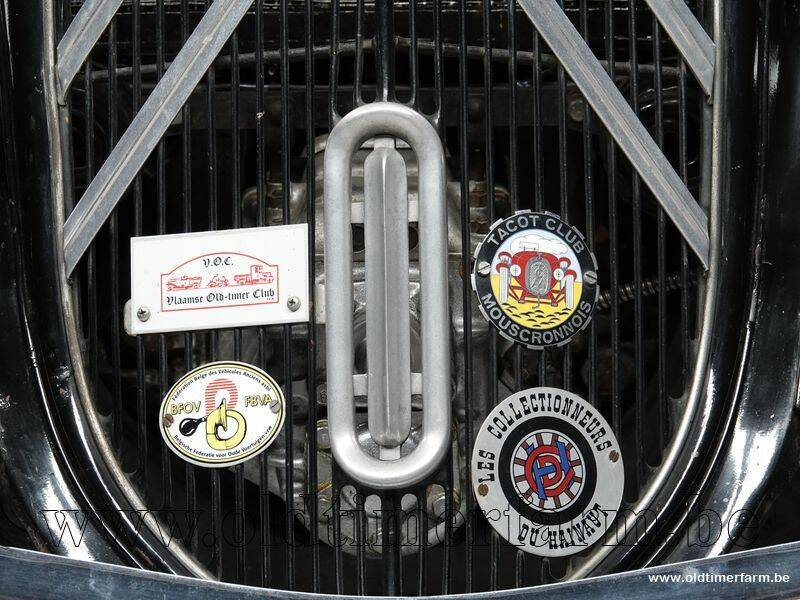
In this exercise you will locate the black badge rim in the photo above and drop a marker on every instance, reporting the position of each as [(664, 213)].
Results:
[(481, 285), (575, 509)]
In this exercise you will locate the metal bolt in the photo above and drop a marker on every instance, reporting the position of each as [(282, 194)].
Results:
[(483, 489), (439, 505), (168, 420), (275, 406), (293, 303), (613, 456), (577, 110), (590, 277), (143, 313), (484, 268), (323, 436)]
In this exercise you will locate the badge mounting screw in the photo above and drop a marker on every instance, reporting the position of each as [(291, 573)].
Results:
[(483, 489), (293, 303), (143, 313), (484, 268), (613, 456)]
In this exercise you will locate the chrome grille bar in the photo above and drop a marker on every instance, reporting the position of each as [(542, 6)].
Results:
[(150, 123), (79, 39), (386, 118), (622, 123), (692, 41), (388, 321)]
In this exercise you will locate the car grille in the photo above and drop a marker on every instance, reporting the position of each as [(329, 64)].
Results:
[(518, 135)]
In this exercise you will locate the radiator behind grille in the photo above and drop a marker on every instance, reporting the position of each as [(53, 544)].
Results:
[(518, 136)]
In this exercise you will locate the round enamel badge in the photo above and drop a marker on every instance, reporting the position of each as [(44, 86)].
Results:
[(547, 472), (222, 414), (536, 279)]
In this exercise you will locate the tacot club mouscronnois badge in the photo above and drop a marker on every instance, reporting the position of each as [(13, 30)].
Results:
[(547, 472), (536, 279), (222, 413)]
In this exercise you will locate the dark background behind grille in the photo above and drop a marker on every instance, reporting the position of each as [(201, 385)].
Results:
[(530, 140)]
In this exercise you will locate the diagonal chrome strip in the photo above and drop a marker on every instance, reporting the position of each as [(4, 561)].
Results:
[(622, 123), (150, 123), (81, 36), (692, 41)]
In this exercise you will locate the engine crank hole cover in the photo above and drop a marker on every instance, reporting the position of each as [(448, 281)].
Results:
[(547, 472), (536, 279), (222, 414)]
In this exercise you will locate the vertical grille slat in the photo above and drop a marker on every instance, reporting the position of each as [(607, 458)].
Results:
[(113, 250), (188, 337), (312, 488), (466, 296), (265, 537), (488, 73), (638, 350), (245, 151), (616, 400), (662, 251), (138, 229), (589, 200), (287, 329), (161, 228)]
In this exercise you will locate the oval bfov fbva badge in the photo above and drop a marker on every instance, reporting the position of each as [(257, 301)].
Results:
[(221, 414), (536, 279), (547, 472)]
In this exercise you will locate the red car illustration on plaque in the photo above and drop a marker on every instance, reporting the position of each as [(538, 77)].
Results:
[(183, 283)]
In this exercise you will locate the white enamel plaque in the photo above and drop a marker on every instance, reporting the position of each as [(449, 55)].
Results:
[(219, 279)]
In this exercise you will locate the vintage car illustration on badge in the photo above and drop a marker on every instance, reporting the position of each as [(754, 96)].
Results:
[(220, 280), (531, 276), (536, 279), (184, 282)]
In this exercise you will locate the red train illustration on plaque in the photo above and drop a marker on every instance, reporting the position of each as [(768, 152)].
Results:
[(256, 275)]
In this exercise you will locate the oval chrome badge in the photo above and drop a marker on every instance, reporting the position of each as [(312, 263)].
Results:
[(536, 279), (222, 414), (547, 472)]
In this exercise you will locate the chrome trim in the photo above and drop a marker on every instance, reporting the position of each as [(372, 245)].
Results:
[(621, 122), (689, 37), (388, 319), (30, 575), (79, 39), (386, 118), (57, 121), (148, 126), (697, 397)]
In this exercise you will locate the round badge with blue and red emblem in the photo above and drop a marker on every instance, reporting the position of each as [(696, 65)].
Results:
[(547, 471)]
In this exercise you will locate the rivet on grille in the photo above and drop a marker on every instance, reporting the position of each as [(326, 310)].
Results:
[(293, 303)]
